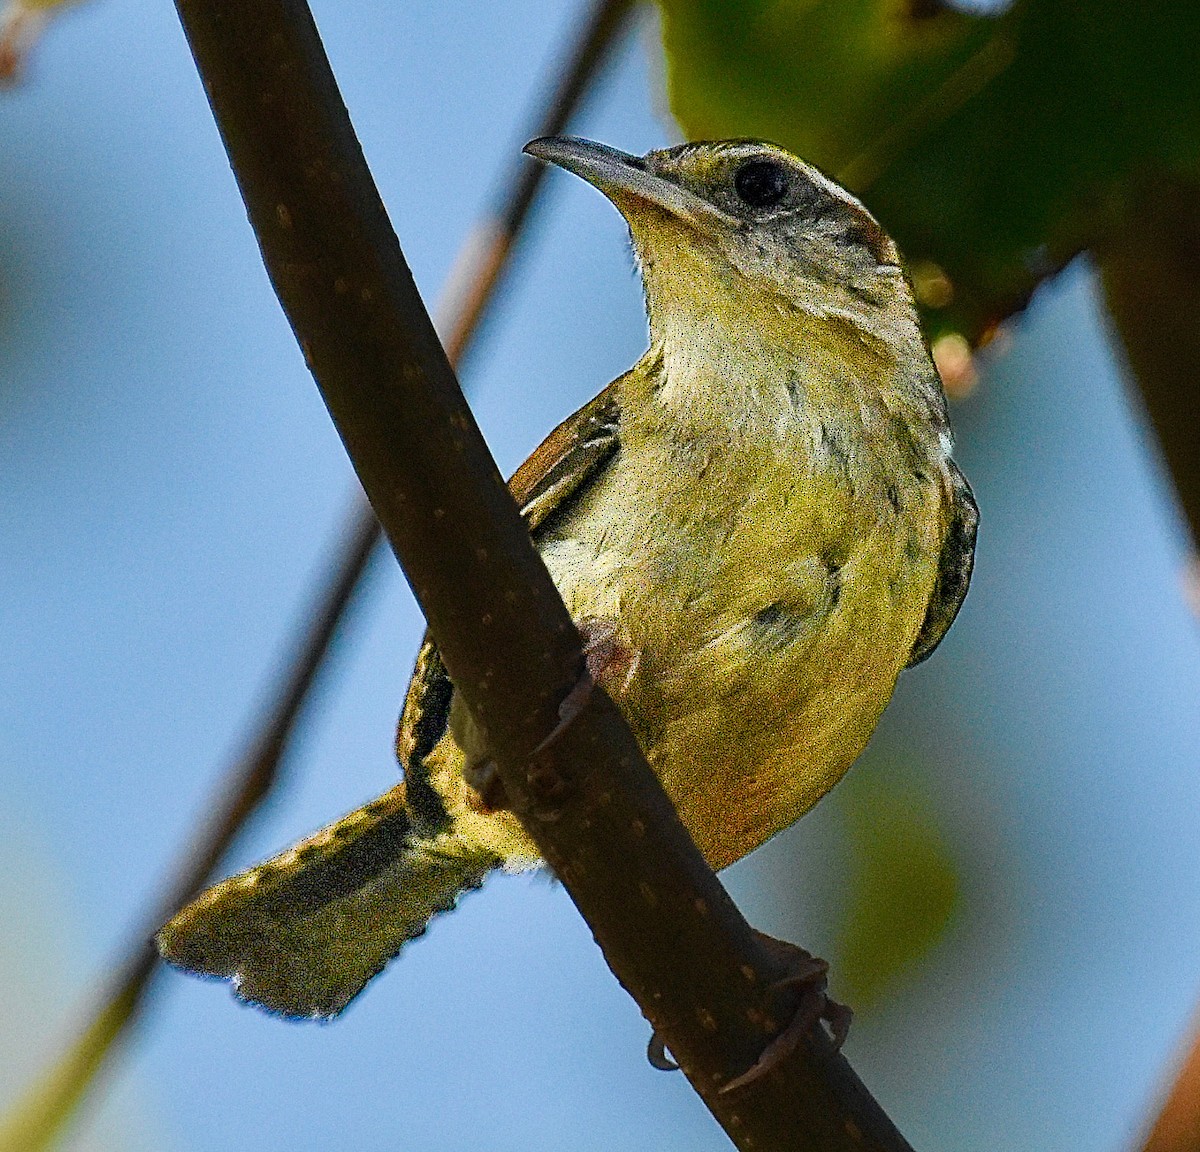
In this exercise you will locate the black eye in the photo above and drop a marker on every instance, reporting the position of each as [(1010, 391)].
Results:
[(761, 183)]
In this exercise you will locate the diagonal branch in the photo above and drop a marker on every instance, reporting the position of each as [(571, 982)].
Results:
[(36, 1120), (570, 766)]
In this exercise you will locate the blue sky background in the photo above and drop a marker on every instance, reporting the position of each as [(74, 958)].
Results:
[(170, 486)]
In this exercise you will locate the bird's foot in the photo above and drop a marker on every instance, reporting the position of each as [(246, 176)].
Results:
[(808, 973), (486, 794), (611, 661)]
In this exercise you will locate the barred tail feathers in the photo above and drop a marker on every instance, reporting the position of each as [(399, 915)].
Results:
[(303, 933)]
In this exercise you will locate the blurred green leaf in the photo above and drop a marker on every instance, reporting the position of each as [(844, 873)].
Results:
[(902, 889), (995, 147)]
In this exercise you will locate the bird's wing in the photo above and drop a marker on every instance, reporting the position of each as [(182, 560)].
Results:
[(571, 458), (954, 567)]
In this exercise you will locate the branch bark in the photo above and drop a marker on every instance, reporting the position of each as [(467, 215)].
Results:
[(44, 1111), (571, 768)]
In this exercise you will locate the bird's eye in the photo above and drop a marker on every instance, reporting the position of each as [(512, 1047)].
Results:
[(761, 183)]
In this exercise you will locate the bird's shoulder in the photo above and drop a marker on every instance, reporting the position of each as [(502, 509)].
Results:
[(570, 458)]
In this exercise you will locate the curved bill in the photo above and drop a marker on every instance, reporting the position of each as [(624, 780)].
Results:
[(624, 179)]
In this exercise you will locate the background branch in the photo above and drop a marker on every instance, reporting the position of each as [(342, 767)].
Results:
[(40, 1117), (582, 788), (1150, 270), (1176, 1128)]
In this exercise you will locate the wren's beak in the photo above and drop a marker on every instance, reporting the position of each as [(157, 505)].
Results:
[(625, 180)]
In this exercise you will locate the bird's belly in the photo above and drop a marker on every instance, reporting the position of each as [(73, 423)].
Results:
[(765, 654)]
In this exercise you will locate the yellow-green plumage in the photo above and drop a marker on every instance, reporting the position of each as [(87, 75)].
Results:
[(763, 510)]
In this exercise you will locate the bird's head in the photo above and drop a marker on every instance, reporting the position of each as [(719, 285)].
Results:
[(733, 222)]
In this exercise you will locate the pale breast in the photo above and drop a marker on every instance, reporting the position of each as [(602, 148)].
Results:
[(771, 615)]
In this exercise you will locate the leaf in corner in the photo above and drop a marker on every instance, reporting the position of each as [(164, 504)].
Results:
[(994, 148)]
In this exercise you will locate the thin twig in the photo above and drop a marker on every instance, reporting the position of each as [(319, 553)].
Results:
[(484, 258), (571, 768), (37, 1119)]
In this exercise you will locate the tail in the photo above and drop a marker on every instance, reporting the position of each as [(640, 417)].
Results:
[(303, 933)]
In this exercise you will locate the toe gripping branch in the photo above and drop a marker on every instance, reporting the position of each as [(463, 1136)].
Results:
[(809, 974), (606, 660)]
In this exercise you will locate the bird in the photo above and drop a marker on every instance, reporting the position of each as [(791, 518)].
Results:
[(756, 529)]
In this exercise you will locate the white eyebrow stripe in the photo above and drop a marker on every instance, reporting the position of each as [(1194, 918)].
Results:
[(836, 190)]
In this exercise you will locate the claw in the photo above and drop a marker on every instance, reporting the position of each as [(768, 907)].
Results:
[(656, 1053), (808, 973), (608, 659)]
